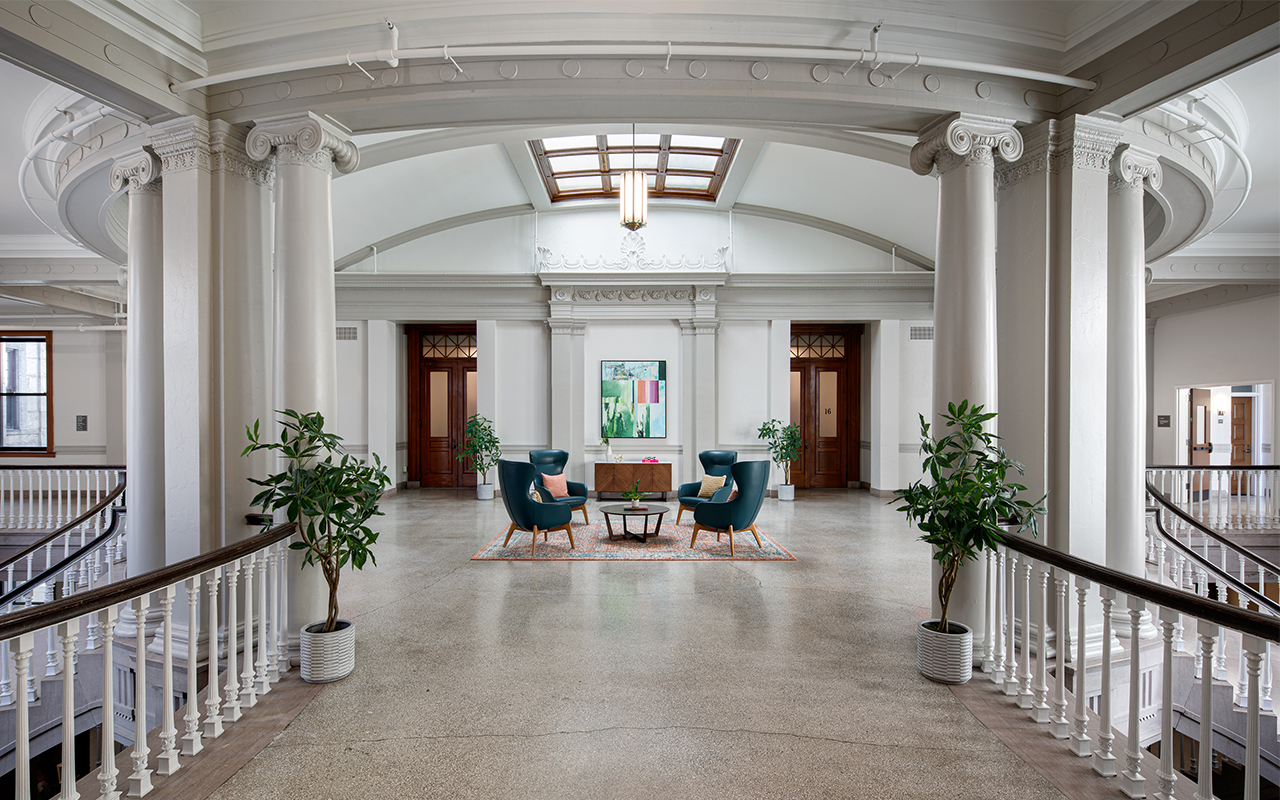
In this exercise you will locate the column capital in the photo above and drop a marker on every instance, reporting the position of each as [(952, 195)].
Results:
[(139, 169), (182, 144), (227, 152), (965, 139), (1087, 143), (567, 327), (704, 327), (1130, 166), (305, 139)]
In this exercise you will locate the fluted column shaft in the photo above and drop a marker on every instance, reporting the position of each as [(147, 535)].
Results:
[(963, 148), (144, 363)]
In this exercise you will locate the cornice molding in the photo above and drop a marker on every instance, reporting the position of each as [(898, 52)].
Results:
[(44, 247), (1182, 269), (303, 139), (182, 145), (139, 169), (961, 139)]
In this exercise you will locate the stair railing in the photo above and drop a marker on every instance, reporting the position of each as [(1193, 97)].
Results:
[(1013, 598), (40, 498), (259, 562), (1221, 496)]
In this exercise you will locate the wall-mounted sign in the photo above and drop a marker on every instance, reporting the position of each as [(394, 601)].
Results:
[(1162, 420)]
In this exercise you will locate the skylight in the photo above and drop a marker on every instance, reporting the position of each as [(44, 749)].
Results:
[(578, 167)]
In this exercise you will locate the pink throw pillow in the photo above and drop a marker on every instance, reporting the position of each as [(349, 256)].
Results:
[(556, 484), (732, 495)]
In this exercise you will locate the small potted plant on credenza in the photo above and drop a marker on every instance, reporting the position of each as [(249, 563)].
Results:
[(784, 447), (961, 509), (481, 445)]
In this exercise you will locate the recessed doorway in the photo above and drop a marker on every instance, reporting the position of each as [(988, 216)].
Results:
[(824, 401), (442, 396)]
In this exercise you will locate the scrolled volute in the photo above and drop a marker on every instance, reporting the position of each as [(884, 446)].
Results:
[(307, 132), (1132, 165), (967, 136), (137, 169)]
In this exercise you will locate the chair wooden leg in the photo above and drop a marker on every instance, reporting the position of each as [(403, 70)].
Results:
[(569, 530), (533, 544), (679, 512), (756, 534), (510, 530), (730, 541), (694, 540), (585, 518)]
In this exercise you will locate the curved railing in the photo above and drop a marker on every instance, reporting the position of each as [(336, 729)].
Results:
[(19, 570), (41, 498), (258, 562), (1011, 599), (1222, 496)]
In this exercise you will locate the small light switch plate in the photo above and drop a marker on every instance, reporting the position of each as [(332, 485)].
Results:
[(82, 422)]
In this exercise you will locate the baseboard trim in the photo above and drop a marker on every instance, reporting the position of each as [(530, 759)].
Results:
[(882, 492)]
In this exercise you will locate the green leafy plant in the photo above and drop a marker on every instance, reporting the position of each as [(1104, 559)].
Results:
[(480, 444), (784, 444), (330, 498), (962, 507), (634, 493)]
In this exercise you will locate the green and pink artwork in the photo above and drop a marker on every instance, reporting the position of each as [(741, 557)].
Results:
[(633, 399)]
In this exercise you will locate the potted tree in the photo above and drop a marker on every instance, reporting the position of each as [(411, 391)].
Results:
[(330, 499), (961, 510), (481, 445), (784, 447)]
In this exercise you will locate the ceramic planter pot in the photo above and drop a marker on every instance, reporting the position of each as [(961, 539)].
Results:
[(328, 657), (484, 491), (945, 657), (635, 503), (786, 491)]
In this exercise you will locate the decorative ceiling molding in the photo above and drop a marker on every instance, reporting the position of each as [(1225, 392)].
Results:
[(44, 246), (1191, 269), (633, 259), (1209, 297)]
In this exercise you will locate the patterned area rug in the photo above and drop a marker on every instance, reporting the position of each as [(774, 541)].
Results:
[(671, 544)]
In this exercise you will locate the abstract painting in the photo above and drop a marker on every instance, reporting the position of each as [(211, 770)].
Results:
[(633, 399)]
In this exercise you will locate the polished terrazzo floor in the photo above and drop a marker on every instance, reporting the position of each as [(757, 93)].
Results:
[(638, 680)]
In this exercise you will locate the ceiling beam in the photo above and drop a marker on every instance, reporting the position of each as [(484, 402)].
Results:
[(55, 297), (739, 170), (527, 171), (1209, 297)]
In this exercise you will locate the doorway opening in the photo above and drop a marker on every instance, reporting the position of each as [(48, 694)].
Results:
[(442, 397), (825, 370)]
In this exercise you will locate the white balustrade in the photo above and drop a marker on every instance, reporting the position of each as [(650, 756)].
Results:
[(46, 498)]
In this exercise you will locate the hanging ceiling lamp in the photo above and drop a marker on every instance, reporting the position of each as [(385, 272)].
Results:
[(635, 193)]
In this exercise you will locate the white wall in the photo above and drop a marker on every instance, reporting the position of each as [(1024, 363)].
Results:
[(1227, 345), (524, 388), (915, 393), (353, 390)]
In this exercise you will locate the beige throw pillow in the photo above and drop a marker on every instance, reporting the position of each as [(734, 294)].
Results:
[(709, 485)]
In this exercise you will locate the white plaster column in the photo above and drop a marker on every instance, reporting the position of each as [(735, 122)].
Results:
[(704, 386), (568, 393), (779, 381), (1150, 370), (306, 149), (1126, 357), (886, 349), (963, 148), (690, 468), (383, 395), (114, 399), (144, 379)]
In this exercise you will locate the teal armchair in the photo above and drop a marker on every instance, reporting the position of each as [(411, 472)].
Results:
[(552, 462), (714, 462), (738, 514), (514, 478)]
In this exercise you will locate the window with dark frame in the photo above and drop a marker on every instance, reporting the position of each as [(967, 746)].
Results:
[(676, 165), (26, 391)]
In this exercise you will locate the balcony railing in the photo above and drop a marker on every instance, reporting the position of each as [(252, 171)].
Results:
[(43, 498)]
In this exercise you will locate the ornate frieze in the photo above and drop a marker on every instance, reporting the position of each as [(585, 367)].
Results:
[(182, 145), (139, 169), (965, 139), (632, 295), (303, 139), (227, 154), (1053, 146), (632, 250), (1132, 165)]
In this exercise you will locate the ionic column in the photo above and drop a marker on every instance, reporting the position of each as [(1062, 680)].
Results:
[(963, 148), (1126, 356), (306, 148), (704, 386), (568, 410), (144, 364)]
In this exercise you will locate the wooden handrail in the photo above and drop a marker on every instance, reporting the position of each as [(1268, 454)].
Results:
[(1243, 589), (1163, 500), (40, 617), (97, 509), (1237, 619), (1263, 467), (52, 571)]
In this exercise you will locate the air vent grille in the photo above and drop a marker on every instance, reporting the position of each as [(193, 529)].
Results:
[(922, 332), (347, 334)]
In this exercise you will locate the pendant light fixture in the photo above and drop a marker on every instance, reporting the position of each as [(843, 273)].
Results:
[(635, 193)]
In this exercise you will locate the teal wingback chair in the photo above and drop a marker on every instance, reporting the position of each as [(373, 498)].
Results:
[(716, 463), (551, 462), (514, 478), (738, 514)]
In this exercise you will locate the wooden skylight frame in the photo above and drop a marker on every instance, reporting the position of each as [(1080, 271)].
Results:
[(612, 159)]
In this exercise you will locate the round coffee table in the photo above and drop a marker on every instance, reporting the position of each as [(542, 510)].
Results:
[(625, 511)]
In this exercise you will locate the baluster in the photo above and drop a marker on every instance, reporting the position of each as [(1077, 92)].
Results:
[(213, 703), (1241, 478), (6, 685), (23, 647), (261, 678), (1254, 649), (282, 636), (1209, 634), (191, 741), (1132, 781), (1040, 708), (50, 650), (248, 694), (1025, 697), (37, 498), (1010, 687), (1220, 656), (1162, 554), (68, 632), (32, 692), (167, 762), (1167, 775), (231, 711), (1059, 726), (997, 647), (28, 516), (1104, 762), (1080, 742), (140, 780), (107, 619), (273, 663), (1265, 695), (988, 617)]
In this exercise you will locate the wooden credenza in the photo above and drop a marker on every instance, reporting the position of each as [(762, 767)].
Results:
[(614, 477)]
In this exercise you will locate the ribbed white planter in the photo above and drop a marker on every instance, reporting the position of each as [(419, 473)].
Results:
[(944, 657), (484, 491), (786, 491), (328, 657)]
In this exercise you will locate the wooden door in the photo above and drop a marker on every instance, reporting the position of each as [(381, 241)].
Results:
[(1199, 444), (442, 396), (1241, 437), (818, 403)]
